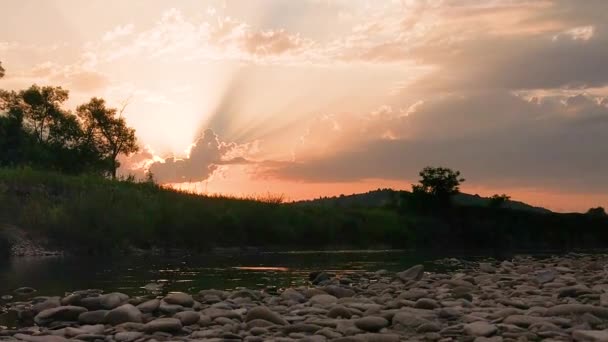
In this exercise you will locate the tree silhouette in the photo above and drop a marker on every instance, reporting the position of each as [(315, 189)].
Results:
[(497, 201), (41, 108), (440, 183), (107, 132), (1, 70)]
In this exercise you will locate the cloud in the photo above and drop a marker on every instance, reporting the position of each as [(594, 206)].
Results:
[(118, 32), (204, 157), (494, 138), (75, 76)]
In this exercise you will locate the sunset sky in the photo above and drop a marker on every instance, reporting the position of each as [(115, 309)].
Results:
[(310, 98)]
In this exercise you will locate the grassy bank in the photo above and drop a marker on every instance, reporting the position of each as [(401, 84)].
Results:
[(94, 215)]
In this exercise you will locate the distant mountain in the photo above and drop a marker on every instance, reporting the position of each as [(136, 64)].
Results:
[(384, 197)]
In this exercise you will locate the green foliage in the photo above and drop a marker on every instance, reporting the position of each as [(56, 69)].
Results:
[(94, 214), (36, 131)]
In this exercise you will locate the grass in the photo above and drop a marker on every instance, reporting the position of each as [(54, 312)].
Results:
[(88, 214), (92, 215)]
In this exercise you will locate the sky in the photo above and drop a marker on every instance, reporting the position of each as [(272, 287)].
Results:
[(309, 98)]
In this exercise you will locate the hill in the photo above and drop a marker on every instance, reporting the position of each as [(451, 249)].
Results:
[(385, 197)]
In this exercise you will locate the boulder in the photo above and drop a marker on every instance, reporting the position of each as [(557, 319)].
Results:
[(123, 314), (61, 313), (371, 323), (179, 298), (262, 312), (480, 328), (169, 325), (412, 273)]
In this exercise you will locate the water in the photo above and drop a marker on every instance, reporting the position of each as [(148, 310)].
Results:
[(58, 275)]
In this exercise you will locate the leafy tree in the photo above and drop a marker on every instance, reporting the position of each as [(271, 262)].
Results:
[(1, 70), (440, 183), (497, 201), (41, 108), (106, 132)]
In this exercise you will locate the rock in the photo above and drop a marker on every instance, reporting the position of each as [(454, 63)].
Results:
[(112, 300), (426, 303), (293, 295), (93, 317), (319, 277), (302, 328), (323, 300), (338, 291), (123, 314), (486, 267), (545, 276), (573, 291), (50, 303), (590, 335), (188, 317), (61, 313), (25, 290), (245, 293), (339, 311), (378, 337), (149, 306), (576, 309), (523, 320), (262, 312), (179, 298), (128, 336), (408, 320), (371, 323), (169, 325), (412, 273), (40, 338), (480, 328)]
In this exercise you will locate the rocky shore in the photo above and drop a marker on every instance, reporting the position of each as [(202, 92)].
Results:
[(553, 299)]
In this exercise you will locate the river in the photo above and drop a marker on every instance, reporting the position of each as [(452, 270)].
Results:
[(57, 275)]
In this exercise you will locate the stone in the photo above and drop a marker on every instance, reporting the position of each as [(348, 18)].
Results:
[(61, 313), (412, 273), (590, 335), (338, 291), (339, 311), (128, 336), (179, 298), (112, 300), (93, 317), (371, 323), (293, 295), (49, 303), (573, 291), (25, 290), (486, 267), (149, 306), (408, 320), (576, 309), (169, 325), (40, 338), (426, 303), (262, 312), (123, 314), (545, 276), (323, 300), (480, 328), (188, 317)]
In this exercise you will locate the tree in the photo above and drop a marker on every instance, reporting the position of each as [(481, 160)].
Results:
[(597, 212), (41, 108), (1, 70), (107, 132), (497, 201), (440, 183)]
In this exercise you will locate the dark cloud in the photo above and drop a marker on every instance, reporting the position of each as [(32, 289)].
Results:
[(550, 143), (206, 156)]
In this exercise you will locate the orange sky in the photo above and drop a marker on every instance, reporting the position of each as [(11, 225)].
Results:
[(311, 98)]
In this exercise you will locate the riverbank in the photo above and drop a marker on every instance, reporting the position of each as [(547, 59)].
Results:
[(87, 215), (552, 299)]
